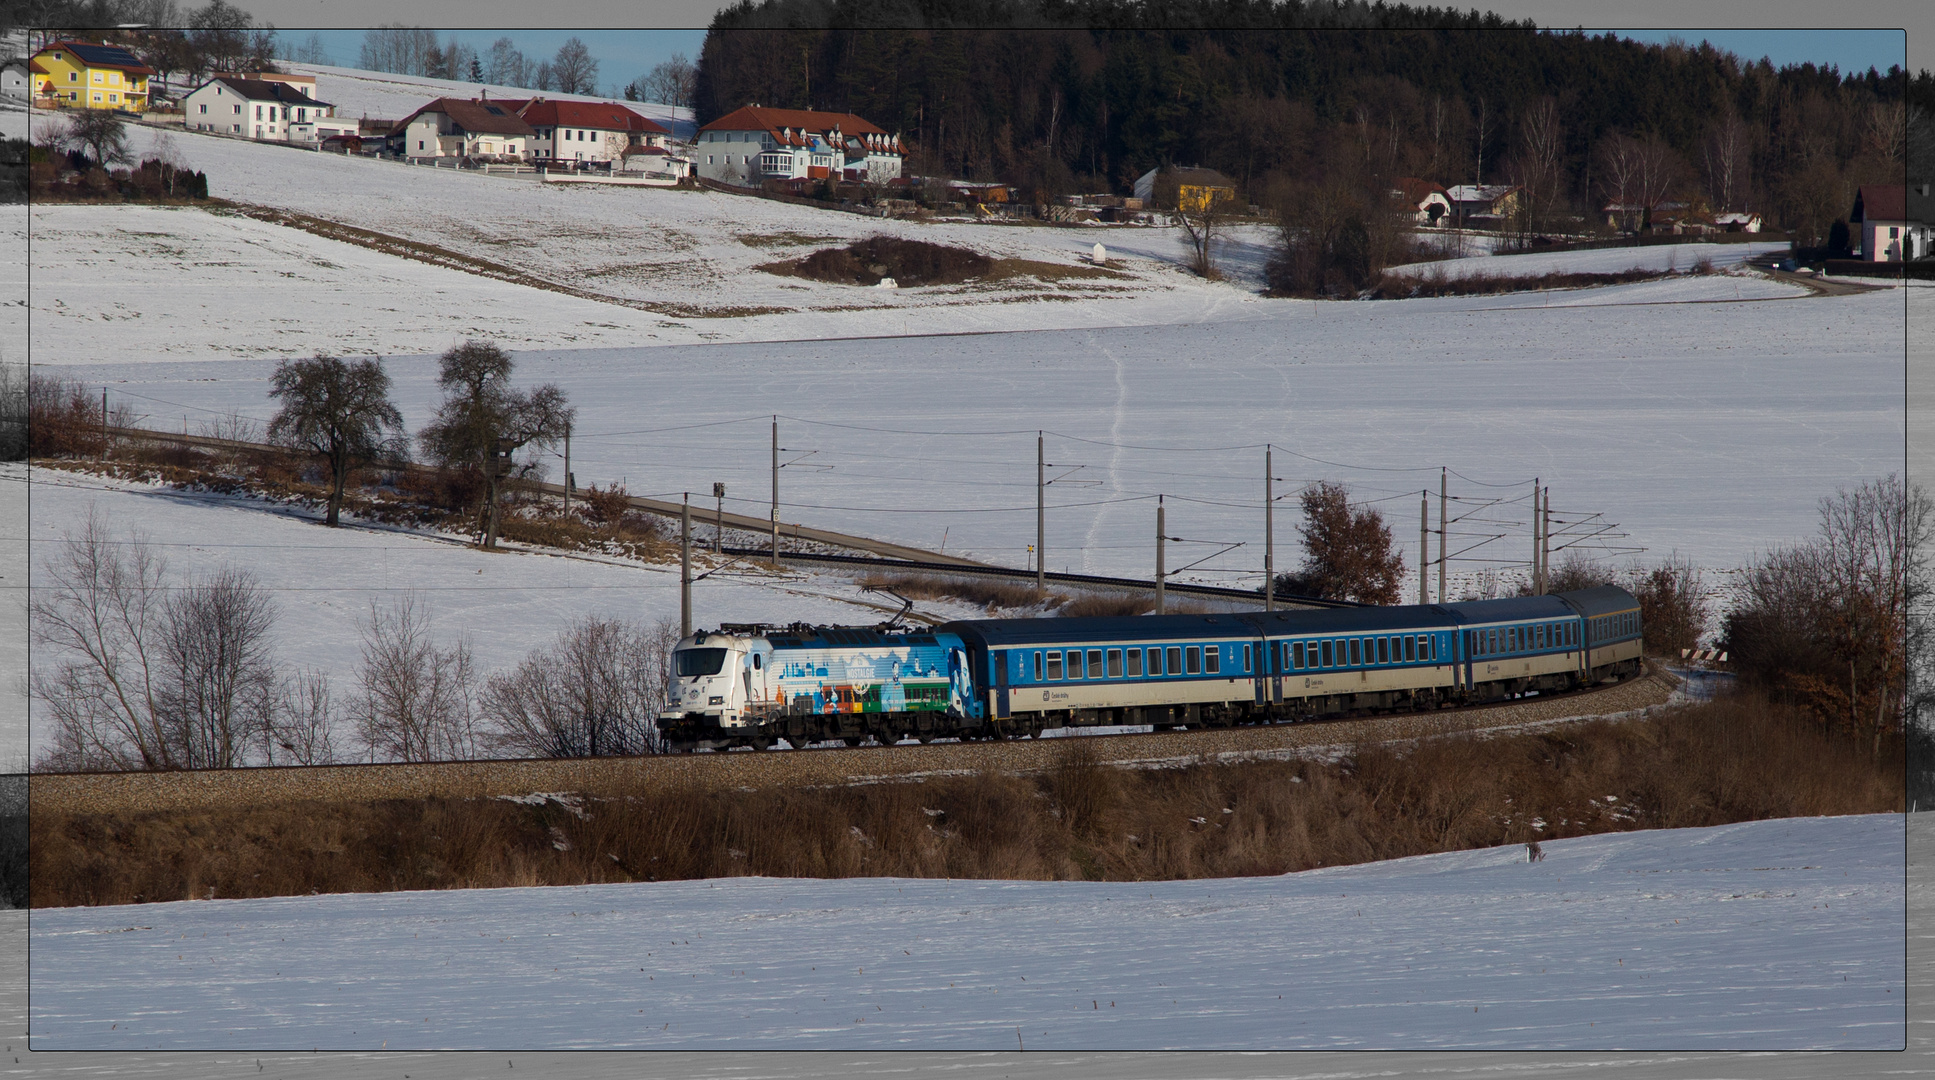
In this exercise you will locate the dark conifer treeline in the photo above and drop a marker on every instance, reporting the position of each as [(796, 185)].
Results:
[(1088, 95)]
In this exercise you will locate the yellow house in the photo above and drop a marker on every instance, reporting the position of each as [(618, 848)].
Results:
[(80, 75)]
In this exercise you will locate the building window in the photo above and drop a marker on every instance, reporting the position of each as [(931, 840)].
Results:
[(238, 112), (114, 99), (202, 108)]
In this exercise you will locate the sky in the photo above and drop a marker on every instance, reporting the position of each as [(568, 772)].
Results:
[(622, 55)]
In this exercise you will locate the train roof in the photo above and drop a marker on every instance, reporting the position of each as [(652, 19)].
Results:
[(797, 637), (1603, 600), (1511, 609), (1006, 633)]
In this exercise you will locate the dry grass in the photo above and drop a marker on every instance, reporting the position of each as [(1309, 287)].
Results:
[(1728, 761), (1438, 283)]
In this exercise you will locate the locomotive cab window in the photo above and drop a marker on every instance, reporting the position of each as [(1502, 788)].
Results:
[(1193, 660), (1135, 663), (1054, 665), (694, 662), (1212, 659)]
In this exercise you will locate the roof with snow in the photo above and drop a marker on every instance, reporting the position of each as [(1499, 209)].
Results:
[(602, 115), (1479, 193), (1416, 191)]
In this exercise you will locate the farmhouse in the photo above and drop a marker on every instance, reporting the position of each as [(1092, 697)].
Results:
[(80, 75), (255, 108), (754, 144), (1192, 189), (459, 128), (1890, 232), (14, 80), (1483, 204), (1425, 201), (598, 131)]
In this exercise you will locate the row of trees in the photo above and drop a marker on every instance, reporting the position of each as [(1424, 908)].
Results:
[(415, 50), (154, 673), (173, 38), (340, 411), (1289, 99)]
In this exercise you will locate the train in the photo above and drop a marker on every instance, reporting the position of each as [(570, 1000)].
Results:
[(755, 685)]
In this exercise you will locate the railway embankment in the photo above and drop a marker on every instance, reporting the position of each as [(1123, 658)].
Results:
[(216, 790)]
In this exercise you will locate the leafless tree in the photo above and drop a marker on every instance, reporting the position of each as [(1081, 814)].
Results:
[(574, 68), (673, 82), (13, 412), (415, 701), (1724, 158), (101, 132), (1347, 553), (219, 680), (100, 615), (504, 65), (596, 691), (1672, 602), (1885, 131), (1542, 152), (1202, 229), (395, 47), (300, 730), (482, 422)]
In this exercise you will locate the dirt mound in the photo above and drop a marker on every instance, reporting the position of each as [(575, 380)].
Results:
[(910, 263)]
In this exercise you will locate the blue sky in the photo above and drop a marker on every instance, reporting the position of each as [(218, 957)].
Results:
[(1849, 50), (622, 55)]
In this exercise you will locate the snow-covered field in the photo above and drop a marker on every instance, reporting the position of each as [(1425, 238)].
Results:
[(1765, 936), (1659, 258)]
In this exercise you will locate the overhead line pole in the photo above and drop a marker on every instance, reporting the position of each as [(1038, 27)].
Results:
[(1534, 575), (1442, 529), (1041, 517), (1269, 536), (567, 468), (1424, 547), (775, 492), (685, 566), (1160, 530)]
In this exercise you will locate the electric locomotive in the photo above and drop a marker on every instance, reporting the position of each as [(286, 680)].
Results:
[(1004, 678)]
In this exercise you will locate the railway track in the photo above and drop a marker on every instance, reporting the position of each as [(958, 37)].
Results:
[(217, 790)]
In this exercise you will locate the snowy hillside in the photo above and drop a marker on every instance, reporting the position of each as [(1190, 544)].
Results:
[(1763, 936), (383, 95)]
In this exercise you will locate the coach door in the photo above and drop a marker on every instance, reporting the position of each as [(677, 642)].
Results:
[(1261, 674), (999, 660)]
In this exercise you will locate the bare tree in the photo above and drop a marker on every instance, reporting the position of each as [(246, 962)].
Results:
[(340, 412), (395, 47), (219, 678), (482, 422), (1672, 603), (673, 82), (1885, 131), (100, 132), (504, 65), (1202, 228), (415, 700), (300, 730), (574, 68), (100, 614), (1619, 173), (596, 691), (1542, 154), (1725, 160)]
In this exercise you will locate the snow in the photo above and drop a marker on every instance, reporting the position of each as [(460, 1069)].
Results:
[(1769, 935), (382, 95)]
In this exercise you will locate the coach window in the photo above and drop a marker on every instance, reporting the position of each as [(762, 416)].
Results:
[(1246, 658), (1383, 650), (1410, 649), (1135, 663), (1037, 667), (1356, 652), (1095, 663), (1212, 659), (1424, 647), (1193, 660), (1175, 660), (1054, 665), (1115, 663), (1327, 654), (1075, 665), (1296, 655), (1155, 661)]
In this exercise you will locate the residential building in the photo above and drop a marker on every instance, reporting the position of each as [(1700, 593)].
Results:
[(460, 128), (1737, 221), (1187, 189), (81, 75), (1889, 231), (586, 131), (755, 144), (1484, 205), (255, 109), (1427, 202), (15, 81)]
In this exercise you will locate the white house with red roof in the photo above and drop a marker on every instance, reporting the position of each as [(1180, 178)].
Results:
[(754, 144), (270, 109), (465, 128), (587, 130)]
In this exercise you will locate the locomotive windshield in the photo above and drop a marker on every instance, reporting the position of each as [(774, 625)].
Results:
[(701, 662)]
